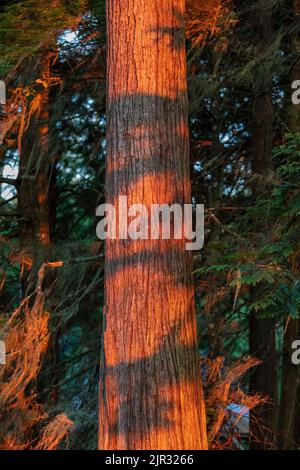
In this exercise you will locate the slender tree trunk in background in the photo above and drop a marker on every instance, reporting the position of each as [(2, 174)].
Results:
[(35, 185), (33, 190), (150, 381), (263, 380), (35, 198), (291, 378)]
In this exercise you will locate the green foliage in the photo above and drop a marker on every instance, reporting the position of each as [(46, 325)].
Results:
[(268, 261), (31, 25)]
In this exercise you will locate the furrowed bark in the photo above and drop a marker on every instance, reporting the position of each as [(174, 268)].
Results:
[(150, 381)]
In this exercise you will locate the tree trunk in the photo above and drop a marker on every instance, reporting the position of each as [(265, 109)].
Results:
[(34, 170), (290, 400), (290, 374), (150, 382), (263, 380)]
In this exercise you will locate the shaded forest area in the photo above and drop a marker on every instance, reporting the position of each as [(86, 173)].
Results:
[(63, 124)]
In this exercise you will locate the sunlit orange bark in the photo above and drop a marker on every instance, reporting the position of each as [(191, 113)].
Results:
[(150, 387)]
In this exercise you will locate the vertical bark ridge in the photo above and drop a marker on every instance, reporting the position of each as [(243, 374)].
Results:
[(150, 387)]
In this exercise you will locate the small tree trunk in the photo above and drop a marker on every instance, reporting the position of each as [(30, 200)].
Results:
[(290, 374), (34, 169), (289, 438), (263, 380), (150, 381)]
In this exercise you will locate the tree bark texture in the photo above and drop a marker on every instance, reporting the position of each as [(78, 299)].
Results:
[(150, 380)]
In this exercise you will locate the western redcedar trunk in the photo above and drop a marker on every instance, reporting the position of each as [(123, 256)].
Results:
[(150, 381), (290, 376), (34, 168), (263, 380), (296, 120), (289, 438)]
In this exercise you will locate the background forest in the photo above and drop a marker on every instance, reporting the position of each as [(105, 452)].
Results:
[(244, 148)]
